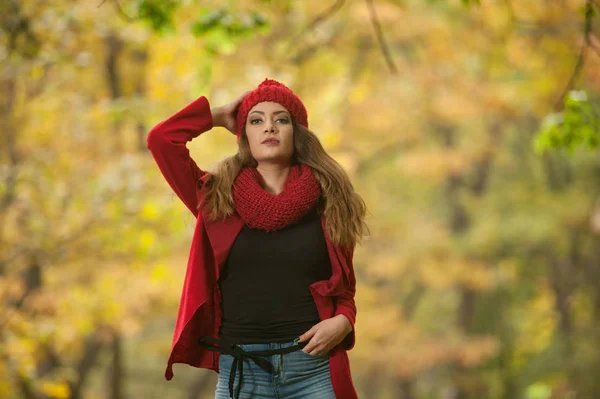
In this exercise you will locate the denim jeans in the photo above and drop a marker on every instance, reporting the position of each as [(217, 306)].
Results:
[(296, 375)]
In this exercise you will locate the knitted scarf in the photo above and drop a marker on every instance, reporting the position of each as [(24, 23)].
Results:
[(263, 210)]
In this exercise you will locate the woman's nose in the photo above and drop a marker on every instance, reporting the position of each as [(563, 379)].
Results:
[(269, 127)]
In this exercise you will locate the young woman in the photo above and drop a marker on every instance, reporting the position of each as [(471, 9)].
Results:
[(268, 297)]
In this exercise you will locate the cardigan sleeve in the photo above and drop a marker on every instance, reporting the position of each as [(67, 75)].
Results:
[(344, 303), (167, 143)]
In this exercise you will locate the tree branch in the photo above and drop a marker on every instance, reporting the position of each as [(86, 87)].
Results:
[(593, 42), (319, 19), (311, 50), (120, 10), (380, 39), (324, 15), (589, 12)]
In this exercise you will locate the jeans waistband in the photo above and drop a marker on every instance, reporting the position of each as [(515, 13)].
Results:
[(239, 354)]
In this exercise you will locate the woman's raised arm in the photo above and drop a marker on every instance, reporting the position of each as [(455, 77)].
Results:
[(167, 143)]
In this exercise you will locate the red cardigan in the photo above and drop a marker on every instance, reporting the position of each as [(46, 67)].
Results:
[(200, 305)]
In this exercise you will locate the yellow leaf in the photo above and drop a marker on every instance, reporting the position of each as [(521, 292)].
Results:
[(331, 139), (36, 72), (147, 238), (357, 95), (57, 390), (160, 272), (150, 211)]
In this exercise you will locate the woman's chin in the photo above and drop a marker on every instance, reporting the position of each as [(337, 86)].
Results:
[(274, 158)]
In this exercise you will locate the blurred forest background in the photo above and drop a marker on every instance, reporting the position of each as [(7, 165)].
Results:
[(470, 128)]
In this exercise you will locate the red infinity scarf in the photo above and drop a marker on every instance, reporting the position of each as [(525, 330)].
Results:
[(263, 210)]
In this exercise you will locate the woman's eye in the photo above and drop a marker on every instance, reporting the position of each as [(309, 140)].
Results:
[(284, 120)]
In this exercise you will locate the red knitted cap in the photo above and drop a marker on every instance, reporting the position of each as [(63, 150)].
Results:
[(271, 90)]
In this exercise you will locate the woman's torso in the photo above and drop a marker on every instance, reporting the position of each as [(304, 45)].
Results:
[(265, 282)]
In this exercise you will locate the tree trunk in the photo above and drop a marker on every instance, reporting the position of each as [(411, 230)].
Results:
[(116, 371)]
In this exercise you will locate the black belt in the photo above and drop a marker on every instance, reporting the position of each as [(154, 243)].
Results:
[(238, 358)]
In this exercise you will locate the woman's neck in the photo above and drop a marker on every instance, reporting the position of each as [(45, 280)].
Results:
[(274, 177)]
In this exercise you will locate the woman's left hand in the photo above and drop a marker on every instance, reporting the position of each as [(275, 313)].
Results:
[(325, 335)]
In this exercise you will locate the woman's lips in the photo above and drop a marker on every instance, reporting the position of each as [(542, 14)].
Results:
[(272, 142)]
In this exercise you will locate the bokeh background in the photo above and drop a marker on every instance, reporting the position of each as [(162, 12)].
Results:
[(470, 129)]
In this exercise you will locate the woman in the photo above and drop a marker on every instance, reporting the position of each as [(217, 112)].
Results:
[(268, 298)]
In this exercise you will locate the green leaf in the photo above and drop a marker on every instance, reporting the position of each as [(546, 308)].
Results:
[(578, 125), (159, 13)]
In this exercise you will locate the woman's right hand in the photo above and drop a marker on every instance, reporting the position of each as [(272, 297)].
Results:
[(225, 115)]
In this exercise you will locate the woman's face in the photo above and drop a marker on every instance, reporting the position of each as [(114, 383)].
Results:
[(270, 120)]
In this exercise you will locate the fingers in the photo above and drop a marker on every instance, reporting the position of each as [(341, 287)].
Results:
[(315, 351), (309, 334), (321, 338), (233, 106), (235, 103), (311, 351), (312, 347), (241, 98)]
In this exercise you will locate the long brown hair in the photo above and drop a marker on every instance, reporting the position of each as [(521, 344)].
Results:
[(344, 209)]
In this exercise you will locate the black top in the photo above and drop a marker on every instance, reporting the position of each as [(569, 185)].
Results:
[(265, 279)]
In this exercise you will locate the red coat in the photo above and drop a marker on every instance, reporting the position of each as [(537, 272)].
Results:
[(200, 305)]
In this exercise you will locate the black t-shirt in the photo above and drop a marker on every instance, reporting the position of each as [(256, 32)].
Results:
[(265, 279)]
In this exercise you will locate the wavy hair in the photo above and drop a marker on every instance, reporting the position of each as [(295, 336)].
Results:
[(343, 208)]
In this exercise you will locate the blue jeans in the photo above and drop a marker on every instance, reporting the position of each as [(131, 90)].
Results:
[(296, 375)]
